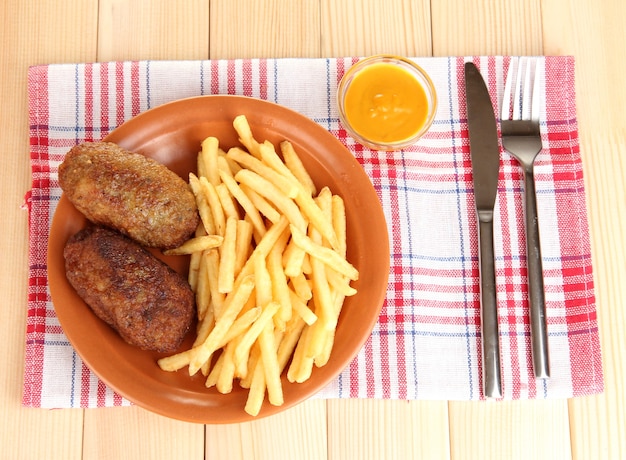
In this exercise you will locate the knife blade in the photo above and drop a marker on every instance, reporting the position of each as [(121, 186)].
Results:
[(485, 156)]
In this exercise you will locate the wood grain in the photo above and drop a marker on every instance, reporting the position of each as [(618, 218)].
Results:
[(511, 430), (492, 27), (590, 32), (153, 29), (52, 31), (128, 433), (270, 28), (371, 430), (362, 28)]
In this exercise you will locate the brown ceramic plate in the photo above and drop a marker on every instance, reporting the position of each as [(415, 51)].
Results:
[(172, 134)]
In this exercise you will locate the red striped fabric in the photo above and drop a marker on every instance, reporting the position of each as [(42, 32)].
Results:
[(426, 344)]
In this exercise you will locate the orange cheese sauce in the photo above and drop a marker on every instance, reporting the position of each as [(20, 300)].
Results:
[(385, 103)]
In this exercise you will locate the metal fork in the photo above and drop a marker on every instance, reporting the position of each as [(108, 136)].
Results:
[(522, 139)]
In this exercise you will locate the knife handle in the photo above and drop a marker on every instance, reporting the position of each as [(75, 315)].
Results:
[(536, 293), (492, 378)]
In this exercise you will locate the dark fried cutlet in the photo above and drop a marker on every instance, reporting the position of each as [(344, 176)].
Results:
[(145, 301), (129, 192)]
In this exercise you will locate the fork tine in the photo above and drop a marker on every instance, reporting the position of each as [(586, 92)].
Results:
[(536, 92), (517, 90), (506, 98), (526, 97)]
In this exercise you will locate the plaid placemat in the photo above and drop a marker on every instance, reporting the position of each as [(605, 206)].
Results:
[(426, 344)]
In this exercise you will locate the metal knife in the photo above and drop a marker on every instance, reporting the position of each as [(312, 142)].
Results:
[(485, 154)]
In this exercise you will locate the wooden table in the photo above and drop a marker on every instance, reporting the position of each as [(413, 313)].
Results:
[(50, 31)]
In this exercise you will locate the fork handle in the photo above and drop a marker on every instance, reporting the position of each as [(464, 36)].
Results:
[(536, 293), (492, 380)]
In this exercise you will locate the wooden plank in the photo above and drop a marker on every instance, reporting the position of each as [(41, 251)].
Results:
[(153, 29), (363, 28), (299, 432), (267, 28), (31, 33), (132, 433), (592, 31), (486, 27), (373, 429), (511, 430)]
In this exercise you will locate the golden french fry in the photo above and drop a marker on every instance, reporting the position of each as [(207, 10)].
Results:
[(266, 189), (271, 368), (256, 395), (244, 346), (245, 202), (339, 283), (301, 286), (271, 158), (293, 162), (280, 288), (324, 254), (264, 207), (293, 258), (232, 306), (226, 375), (286, 347), (203, 206), (286, 186), (301, 365), (212, 261), (197, 244), (241, 125), (243, 244), (202, 290), (227, 201), (339, 223), (224, 166), (217, 211), (210, 148), (301, 309), (194, 269), (226, 270), (214, 375)]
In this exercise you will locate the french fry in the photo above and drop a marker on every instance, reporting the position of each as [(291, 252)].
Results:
[(197, 244), (293, 259), (242, 245), (227, 201), (226, 375), (286, 186), (264, 206), (245, 202), (256, 395), (241, 125), (203, 205), (212, 261), (301, 286), (326, 255), (244, 346), (209, 153), (226, 270), (269, 357), (301, 308), (265, 188), (217, 211), (203, 291), (232, 306), (279, 286), (293, 162)]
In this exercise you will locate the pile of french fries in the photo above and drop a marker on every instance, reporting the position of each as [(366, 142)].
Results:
[(268, 267)]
